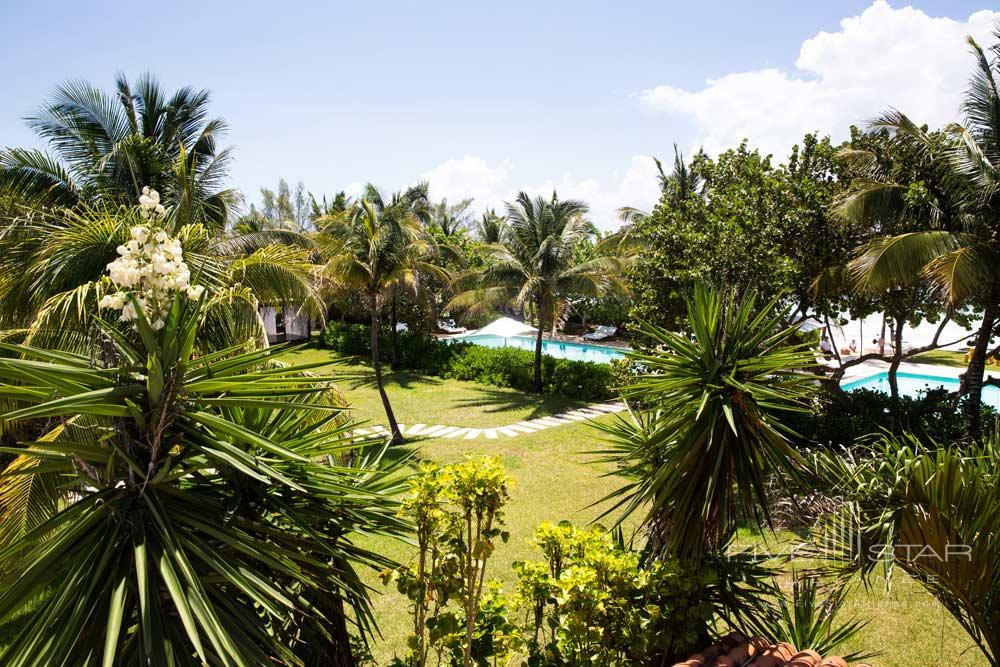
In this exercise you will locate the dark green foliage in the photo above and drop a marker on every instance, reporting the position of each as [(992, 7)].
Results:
[(753, 225), (843, 420), (499, 367), (350, 339)]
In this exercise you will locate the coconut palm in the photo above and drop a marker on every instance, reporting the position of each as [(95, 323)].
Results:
[(107, 147), (53, 261), (709, 428), (377, 248), (188, 517), (491, 228), (959, 248), (534, 268)]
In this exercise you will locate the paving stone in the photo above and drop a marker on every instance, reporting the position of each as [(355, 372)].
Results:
[(473, 433), (458, 432), (509, 431), (415, 429), (490, 433)]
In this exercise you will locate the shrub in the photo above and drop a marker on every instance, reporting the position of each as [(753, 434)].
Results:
[(592, 601), (350, 339), (457, 512), (513, 367), (934, 415), (500, 367)]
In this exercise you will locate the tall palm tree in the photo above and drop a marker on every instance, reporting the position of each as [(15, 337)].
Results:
[(959, 249), (107, 147), (377, 249), (534, 267)]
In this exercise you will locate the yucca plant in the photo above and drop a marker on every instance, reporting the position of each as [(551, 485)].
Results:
[(934, 513), (201, 510), (54, 260), (708, 430), (809, 620)]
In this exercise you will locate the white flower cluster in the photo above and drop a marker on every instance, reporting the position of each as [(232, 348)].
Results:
[(151, 268), (149, 204)]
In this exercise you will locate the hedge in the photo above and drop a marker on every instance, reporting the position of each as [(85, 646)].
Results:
[(499, 367)]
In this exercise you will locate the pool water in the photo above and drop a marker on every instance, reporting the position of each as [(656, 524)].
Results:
[(554, 348), (912, 384)]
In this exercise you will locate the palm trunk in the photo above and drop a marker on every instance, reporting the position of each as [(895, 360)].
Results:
[(394, 352), (974, 374), (897, 357), (537, 386), (397, 437)]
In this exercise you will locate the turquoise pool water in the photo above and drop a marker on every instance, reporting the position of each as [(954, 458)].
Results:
[(554, 348), (911, 384)]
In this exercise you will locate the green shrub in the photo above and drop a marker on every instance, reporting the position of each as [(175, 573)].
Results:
[(349, 339), (500, 367), (841, 421), (592, 601)]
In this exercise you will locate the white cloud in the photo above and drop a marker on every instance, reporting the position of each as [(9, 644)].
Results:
[(885, 57), (491, 186)]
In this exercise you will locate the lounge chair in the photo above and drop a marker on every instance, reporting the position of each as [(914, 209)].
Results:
[(601, 333), (448, 326)]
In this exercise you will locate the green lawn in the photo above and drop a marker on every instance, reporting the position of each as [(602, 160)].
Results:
[(555, 478), (430, 400), (942, 358)]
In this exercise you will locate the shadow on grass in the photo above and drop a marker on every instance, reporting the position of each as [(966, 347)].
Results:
[(356, 376), (496, 400)]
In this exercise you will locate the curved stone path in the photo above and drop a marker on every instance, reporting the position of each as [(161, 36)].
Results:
[(510, 431)]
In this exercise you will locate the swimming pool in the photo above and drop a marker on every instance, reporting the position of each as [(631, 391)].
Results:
[(576, 351), (911, 384)]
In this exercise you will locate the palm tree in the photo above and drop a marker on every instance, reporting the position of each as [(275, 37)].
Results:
[(534, 268), (377, 249), (53, 261), (106, 148), (491, 228), (709, 429), (959, 248), (180, 510), (451, 219)]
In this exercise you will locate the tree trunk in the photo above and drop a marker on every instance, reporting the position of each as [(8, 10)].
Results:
[(394, 352), (897, 357), (397, 437), (537, 386), (341, 656), (974, 374)]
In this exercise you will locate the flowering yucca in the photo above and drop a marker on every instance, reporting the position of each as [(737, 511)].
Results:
[(150, 267)]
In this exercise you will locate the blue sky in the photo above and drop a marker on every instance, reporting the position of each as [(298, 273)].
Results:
[(485, 98)]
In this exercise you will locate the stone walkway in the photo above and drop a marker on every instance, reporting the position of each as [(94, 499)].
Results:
[(509, 431)]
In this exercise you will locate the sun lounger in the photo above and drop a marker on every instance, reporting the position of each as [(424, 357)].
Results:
[(448, 326), (601, 333)]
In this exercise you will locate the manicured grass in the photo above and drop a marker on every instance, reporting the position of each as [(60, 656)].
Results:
[(942, 358), (429, 400), (555, 478)]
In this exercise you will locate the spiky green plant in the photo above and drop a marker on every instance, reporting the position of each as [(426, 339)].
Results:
[(809, 620), (709, 431), (934, 513), (205, 507)]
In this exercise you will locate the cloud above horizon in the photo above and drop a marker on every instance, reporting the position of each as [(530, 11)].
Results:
[(491, 185), (882, 58)]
